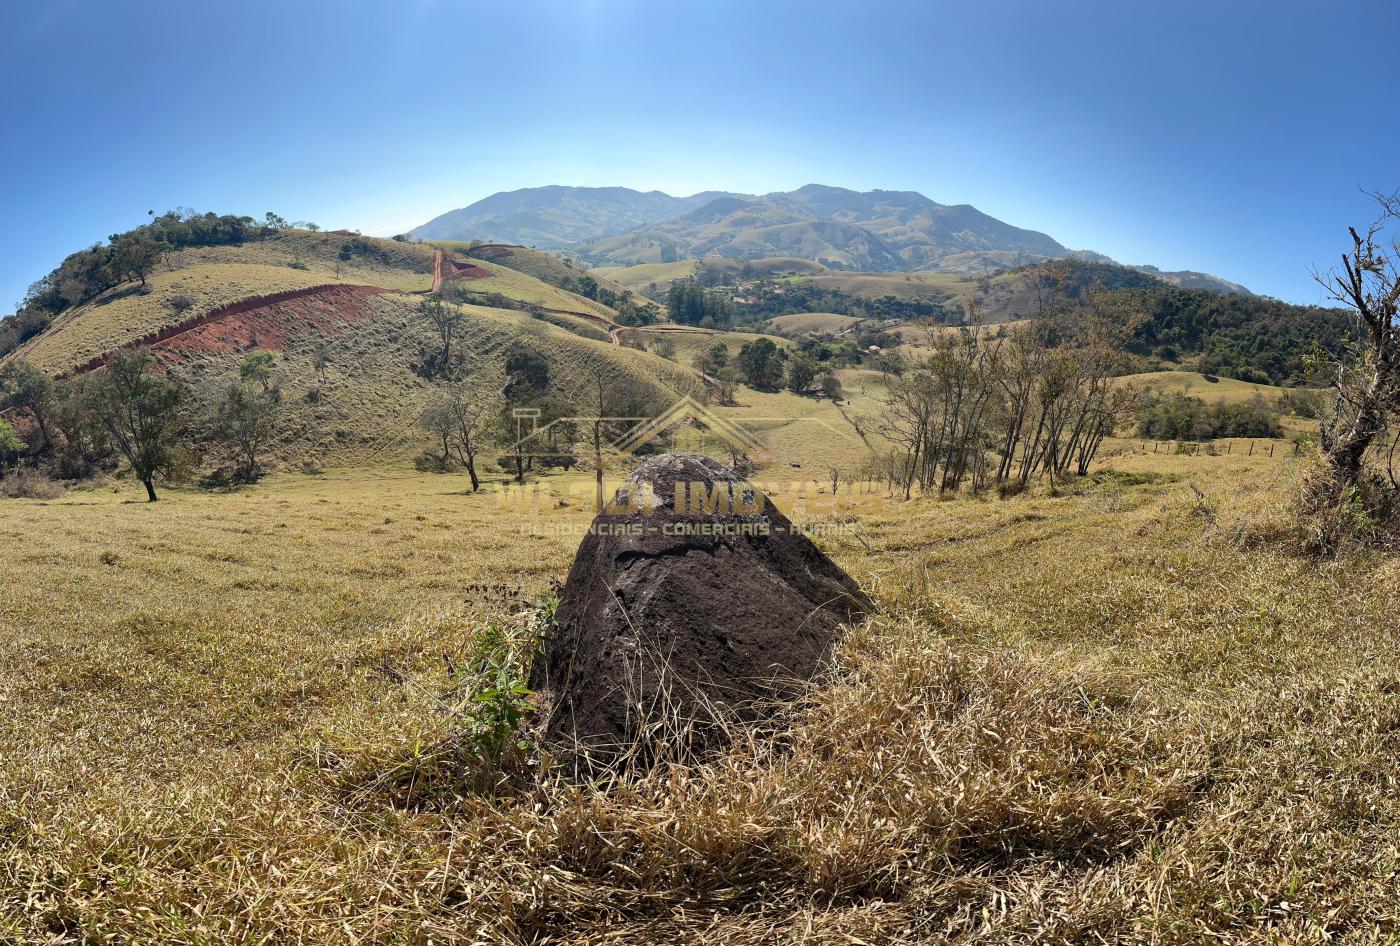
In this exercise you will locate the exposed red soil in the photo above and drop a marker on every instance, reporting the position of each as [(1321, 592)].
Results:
[(493, 251), (453, 267), (270, 319), (460, 269)]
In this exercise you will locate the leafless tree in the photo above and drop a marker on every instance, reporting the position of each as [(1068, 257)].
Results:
[(1042, 396), (458, 418), (1367, 378)]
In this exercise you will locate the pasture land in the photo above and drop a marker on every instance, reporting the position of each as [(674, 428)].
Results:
[(1112, 713)]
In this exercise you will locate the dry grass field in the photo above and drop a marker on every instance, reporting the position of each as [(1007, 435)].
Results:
[(1110, 714), (816, 323)]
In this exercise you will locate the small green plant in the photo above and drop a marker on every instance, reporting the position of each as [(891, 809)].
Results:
[(500, 710), (501, 706), (1354, 514)]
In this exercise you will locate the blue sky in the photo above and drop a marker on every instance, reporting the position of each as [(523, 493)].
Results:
[(1226, 137)]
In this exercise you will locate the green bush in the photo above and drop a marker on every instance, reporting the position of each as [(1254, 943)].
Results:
[(1182, 417)]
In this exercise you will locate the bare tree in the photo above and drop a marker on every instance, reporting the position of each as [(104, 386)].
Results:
[(614, 398), (459, 418), (445, 319), (1367, 379), (1043, 397), (320, 361)]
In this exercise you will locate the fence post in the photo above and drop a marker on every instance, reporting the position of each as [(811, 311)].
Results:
[(1251, 448), (1271, 449)]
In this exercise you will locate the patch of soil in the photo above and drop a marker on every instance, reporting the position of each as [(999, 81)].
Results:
[(271, 325), (493, 251), (461, 269), (675, 625), (273, 318)]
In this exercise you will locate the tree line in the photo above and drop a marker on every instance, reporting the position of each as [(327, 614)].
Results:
[(125, 257), (131, 411), (997, 409)]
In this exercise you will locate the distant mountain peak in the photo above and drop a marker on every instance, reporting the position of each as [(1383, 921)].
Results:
[(876, 230)]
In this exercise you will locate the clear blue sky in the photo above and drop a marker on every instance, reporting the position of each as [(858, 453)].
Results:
[(1230, 138)]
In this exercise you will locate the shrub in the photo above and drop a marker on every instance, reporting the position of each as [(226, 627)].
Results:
[(29, 484), (1182, 417)]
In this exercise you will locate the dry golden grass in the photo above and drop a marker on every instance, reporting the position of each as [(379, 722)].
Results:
[(1211, 389), (823, 323), (1091, 717), (528, 289), (125, 314)]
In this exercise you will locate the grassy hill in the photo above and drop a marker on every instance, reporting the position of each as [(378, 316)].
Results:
[(545, 267), (1205, 387), (361, 313), (812, 323), (642, 277)]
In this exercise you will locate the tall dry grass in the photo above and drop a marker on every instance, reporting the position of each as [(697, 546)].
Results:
[(1094, 717)]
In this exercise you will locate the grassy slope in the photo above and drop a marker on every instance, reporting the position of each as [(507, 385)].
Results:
[(638, 278), (367, 409), (526, 288), (1229, 390), (217, 275), (690, 342), (1091, 714), (405, 266), (543, 266), (824, 323)]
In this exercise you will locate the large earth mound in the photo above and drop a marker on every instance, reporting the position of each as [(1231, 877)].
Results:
[(692, 605)]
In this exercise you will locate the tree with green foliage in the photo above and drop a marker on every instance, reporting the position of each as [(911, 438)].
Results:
[(760, 363), (245, 419), (726, 383), (830, 385), (1182, 417), (133, 255), (527, 374), (689, 304), (82, 445), (801, 372), (256, 368), (11, 447), (143, 413), (25, 388)]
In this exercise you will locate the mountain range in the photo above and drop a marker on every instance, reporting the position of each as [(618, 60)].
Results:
[(873, 231)]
